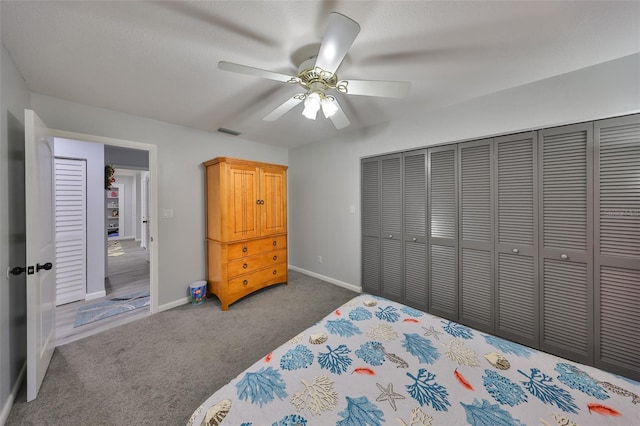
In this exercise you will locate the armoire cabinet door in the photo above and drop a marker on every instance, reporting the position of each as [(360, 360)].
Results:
[(516, 263), (391, 220), (415, 229), (566, 269), (370, 208), (617, 248), (242, 219), (476, 302), (442, 263), (273, 201)]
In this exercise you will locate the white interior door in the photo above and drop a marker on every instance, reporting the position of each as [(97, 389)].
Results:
[(146, 217), (40, 229), (71, 230)]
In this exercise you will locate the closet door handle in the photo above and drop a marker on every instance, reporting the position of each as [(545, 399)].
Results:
[(414, 239), (515, 250), (390, 235), (564, 256)]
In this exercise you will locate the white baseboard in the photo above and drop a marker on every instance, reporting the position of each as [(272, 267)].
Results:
[(96, 295), (4, 414), (174, 304), (330, 280)]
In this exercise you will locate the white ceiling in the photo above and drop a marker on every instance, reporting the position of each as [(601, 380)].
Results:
[(159, 59)]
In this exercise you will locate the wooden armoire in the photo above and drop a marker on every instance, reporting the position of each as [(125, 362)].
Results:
[(246, 227)]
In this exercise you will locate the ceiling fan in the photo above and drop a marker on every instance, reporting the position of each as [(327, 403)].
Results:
[(317, 76)]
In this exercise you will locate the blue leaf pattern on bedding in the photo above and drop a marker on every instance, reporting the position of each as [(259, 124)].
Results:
[(428, 393), (291, 420), (262, 386), (342, 327), (389, 314), (420, 347), (360, 314), (539, 385), (298, 357), (360, 412), (502, 389), (412, 312), (457, 330), (371, 352), (575, 378), (508, 347), (336, 360), (487, 414)]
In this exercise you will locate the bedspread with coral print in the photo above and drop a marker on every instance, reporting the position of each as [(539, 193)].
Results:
[(375, 362)]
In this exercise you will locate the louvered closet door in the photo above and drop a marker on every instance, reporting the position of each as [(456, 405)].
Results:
[(370, 206), (476, 301), (71, 230), (566, 269), (391, 220), (443, 236), (617, 247), (516, 263), (415, 229)]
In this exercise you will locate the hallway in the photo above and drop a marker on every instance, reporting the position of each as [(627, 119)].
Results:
[(128, 272)]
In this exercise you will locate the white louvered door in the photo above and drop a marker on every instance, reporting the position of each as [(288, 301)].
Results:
[(391, 238), (370, 207), (443, 231), (476, 302), (617, 247), (71, 230), (566, 270), (415, 229), (516, 218)]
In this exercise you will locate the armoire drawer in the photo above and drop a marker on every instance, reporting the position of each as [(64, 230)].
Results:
[(258, 279), (253, 263), (253, 247)]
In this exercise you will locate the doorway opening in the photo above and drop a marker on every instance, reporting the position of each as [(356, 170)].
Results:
[(119, 266)]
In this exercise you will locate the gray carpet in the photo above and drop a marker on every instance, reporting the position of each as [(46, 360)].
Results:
[(159, 369)]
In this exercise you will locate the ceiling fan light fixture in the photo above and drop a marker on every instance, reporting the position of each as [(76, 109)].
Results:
[(329, 107), (312, 105)]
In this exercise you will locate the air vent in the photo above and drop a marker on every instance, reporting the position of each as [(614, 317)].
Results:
[(228, 131)]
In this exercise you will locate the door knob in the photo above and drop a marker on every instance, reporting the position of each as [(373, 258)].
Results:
[(17, 270), (47, 266), (515, 250)]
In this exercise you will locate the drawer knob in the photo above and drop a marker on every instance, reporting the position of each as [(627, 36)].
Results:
[(515, 250), (244, 266), (275, 243), (244, 249), (245, 282), (275, 272), (275, 257)]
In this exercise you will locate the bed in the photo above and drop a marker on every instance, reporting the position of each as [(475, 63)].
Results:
[(374, 361)]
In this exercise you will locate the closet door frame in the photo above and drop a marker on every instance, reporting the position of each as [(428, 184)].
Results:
[(567, 255)]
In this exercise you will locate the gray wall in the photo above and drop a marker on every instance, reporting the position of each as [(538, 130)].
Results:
[(324, 177), (181, 240), (14, 98), (126, 158)]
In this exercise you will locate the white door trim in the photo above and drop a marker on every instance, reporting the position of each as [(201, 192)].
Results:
[(153, 172)]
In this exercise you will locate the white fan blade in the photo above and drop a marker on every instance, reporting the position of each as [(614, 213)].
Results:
[(386, 89), (338, 38), (255, 72), (284, 108), (339, 119)]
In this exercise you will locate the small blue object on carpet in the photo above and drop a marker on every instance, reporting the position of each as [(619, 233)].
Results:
[(109, 308)]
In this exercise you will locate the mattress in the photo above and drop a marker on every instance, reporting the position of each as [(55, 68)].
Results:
[(374, 361)]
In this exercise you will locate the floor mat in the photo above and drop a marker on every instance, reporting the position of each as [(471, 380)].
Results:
[(108, 308)]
